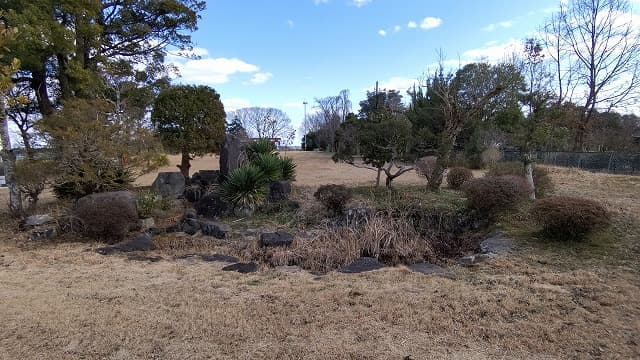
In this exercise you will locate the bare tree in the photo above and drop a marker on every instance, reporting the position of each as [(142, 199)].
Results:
[(265, 122), (22, 109), (597, 45)]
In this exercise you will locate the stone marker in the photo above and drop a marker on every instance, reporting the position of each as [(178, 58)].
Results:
[(232, 155), (169, 184), (279, 190)]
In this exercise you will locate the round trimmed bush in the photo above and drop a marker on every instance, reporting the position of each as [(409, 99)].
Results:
[(490, 195), (458, 176), (333, 197), (566, 217)]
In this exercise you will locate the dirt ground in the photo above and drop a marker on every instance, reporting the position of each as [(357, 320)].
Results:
[(64, 301)]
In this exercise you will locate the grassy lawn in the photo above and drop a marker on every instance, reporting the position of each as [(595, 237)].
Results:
[(548, 301)]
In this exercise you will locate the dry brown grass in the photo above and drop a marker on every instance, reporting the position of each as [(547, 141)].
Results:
[(64, 301)]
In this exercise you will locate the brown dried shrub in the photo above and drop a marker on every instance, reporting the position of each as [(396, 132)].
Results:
[(490, 195), (333, 197), (425, 165), (109, 219), (458, 176), (566, 217)]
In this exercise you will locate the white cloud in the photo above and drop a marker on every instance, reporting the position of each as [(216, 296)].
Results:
[(502, 24), (212, 70), (260, 78), (430, 23), (412, 25), (397, 28), (382, 32), (318, 2), (360, 3), (495, 52), (395, 83), (235, 104)]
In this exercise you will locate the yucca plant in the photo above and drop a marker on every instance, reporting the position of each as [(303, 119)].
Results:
[(244, 188), (260, 146), (270, 165), (288, 168)]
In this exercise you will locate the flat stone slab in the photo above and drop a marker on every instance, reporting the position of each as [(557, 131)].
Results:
[(143, 242), (138, 257), (428, 268), (37, 220), (362, 265), (243, 268), (497, 244), (220, 258), (475, 259), (278, 238)]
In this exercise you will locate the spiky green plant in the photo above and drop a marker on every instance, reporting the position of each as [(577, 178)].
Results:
[(288, 168), (260, 146), (270, 165), (244, 188)]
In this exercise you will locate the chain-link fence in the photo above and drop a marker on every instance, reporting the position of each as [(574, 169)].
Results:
[(610, 162)]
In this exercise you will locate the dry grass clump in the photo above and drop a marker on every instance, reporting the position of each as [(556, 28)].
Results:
[(391, 240), (333, 197), (567, 217), (109, 219)]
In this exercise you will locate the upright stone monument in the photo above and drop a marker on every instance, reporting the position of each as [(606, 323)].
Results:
[(232, 156)]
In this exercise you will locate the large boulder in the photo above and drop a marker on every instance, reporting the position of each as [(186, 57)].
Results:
[(232, 155), (205, 177), (169, 184), (211, 206), (108, 215), (279, 190)]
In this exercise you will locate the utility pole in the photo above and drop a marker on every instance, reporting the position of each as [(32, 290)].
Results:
[(304, 125)]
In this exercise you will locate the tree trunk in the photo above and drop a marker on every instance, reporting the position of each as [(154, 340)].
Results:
[(378, 177), (9, 162), (442, 162), (578, 140), (184, 166), (528, 174), (39, 85)]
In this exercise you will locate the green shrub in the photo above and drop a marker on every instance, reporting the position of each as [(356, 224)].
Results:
[(149, 201), (32, 177), (270, 165), (491, 195), (458, 176), (565, 217), (245, 188), (260, 146), (541, 177), (96, 178), (288, 168), (333, 197)]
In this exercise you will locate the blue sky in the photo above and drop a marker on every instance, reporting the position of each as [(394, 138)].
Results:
[(280, 53)]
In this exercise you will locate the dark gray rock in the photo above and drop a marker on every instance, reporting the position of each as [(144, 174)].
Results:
[(279, 190), (215, 229), (278, 238), (205, 178), (232, 155), (142, 242), (44, 234), (211, 206), (497, 244), (220, 258), (243, 268), (427, 268), (362, 265), (190, 214), (190, 226), (37, 220), (169, 184), (193, 192), (138, 257)]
